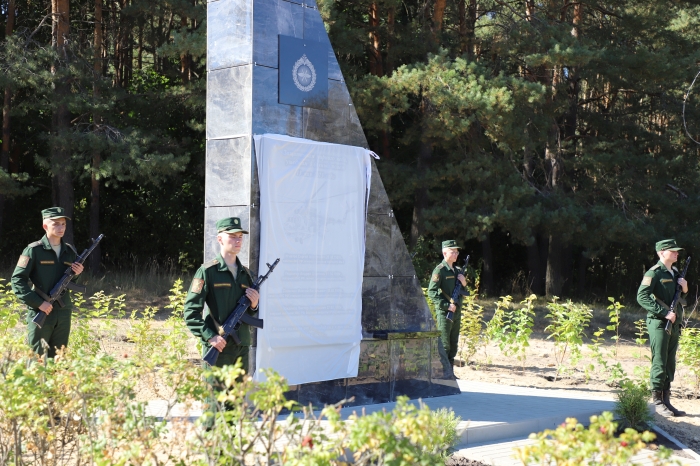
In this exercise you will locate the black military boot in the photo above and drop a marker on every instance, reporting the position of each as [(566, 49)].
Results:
[(666, 397), (659, 404)]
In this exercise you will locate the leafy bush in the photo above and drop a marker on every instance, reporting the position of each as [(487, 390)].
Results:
[(567, 327), (631, 406), (471, 329), (85, 406), (689, 353), (572, 443), (512, 328)]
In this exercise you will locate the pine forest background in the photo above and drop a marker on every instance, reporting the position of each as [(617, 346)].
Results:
[(546, 136)]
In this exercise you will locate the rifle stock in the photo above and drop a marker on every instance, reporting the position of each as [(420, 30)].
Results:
[(64, 284)]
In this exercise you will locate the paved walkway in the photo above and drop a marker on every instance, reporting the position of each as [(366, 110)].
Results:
[(495, 418)]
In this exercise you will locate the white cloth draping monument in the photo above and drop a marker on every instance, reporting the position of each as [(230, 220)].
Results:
[(313, 206)]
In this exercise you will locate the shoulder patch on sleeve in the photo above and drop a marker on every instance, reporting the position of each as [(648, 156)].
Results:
[(655, 267), (212, 262), (646, 281), (34, 244), (436, 278), (197, 285), (23, 261)]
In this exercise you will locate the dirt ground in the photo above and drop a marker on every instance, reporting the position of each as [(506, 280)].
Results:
[(489, 365)]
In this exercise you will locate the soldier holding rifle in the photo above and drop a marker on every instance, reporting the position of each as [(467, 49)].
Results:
[(44, 263), (219, 284), (656, 295), (442, 283)]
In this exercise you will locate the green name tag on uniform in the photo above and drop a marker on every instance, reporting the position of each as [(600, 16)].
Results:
[(222, 285), (47, 262), (666, 280)]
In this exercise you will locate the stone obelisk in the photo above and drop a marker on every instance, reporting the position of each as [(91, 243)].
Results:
[(400, 353)]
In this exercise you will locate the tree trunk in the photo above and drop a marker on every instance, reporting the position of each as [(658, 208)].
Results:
[(582, 267), (438, 18), (96, 256), (421, 193), (487, 284), (555, 263), (6, 107), (62, 182)]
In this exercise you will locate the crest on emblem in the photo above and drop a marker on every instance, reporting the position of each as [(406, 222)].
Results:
[(304, 74)]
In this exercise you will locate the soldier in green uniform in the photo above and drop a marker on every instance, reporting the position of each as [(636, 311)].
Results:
[(655, 295), (442, 282), (43, 263), (219, 284)]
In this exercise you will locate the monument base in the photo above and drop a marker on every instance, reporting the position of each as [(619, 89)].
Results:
[(389, 368)]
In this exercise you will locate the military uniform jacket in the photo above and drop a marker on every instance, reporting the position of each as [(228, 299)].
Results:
[(39, 265), (215, 286), (442, 283), (660, 283)]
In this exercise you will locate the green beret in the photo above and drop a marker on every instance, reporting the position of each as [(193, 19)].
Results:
[(667, 245), (54, 213), (230, 225), (450, 243)]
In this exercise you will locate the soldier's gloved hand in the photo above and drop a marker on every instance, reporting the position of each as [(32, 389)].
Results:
[(77, 268), (46, 307), (452, 308), (254, 297), (218, 342), (683, 284), (671, 316), (462, 280)]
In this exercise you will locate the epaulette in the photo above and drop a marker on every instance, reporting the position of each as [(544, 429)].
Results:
[(439, 266), (212, 262), (655, 267), (71, 247), (34, 244), (674, 269)]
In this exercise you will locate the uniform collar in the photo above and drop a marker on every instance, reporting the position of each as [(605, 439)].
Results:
[(662, 266), (46, 244), (222, 265), (448, 265)]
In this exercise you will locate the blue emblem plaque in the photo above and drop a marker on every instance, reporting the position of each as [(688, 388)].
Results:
[(303, 72)]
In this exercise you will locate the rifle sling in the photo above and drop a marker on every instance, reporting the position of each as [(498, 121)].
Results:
[(662, 304)]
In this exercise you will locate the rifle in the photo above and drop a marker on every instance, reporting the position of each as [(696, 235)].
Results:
[(64, 284), (676, 296), (454, 299), (231, 324)]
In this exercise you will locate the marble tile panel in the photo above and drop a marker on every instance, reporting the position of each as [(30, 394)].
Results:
[(272, 18), (320, 394), (378, 199), (269, 116), (229, 33), (377, 255), (228, 172), (211, 215), (376, 305), (315, 29), (409, 309), (229, 102), (401, 264), (339, 123)]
